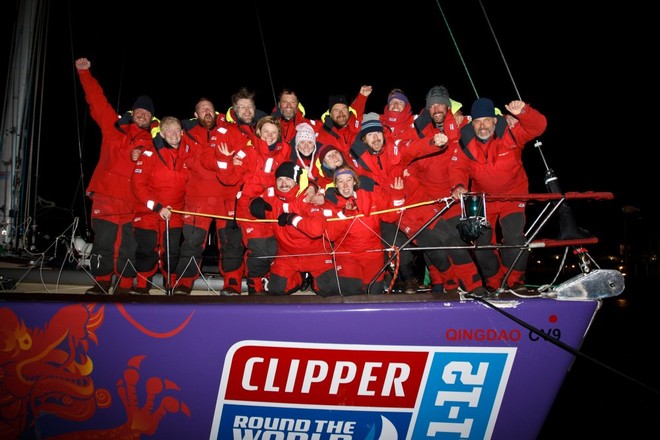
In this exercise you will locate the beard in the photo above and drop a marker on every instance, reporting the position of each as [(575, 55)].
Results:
[(208, 121)]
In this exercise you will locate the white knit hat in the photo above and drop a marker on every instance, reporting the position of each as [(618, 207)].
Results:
[(305, 133)]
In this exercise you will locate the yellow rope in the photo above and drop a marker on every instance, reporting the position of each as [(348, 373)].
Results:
[(401, 208)]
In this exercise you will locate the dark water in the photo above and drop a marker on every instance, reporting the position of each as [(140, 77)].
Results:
[(615, 393)]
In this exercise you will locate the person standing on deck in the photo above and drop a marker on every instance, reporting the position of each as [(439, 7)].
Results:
[(159, 185), (253, 168), (380, 157), (238, 133), (204, 195), (489, 161), (438, 124), (113, 202)]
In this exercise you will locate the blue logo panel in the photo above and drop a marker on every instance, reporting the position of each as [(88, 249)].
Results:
[(462, 396)]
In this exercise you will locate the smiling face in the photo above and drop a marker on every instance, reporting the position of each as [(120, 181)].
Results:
[(306, 147), (170, 129), (142, 118), (245, 110), (438, 113), (484, 127), (375, 140), (288, 105), (285, 184), (396, 105), (345, 184), (339, 114), (270, 133)]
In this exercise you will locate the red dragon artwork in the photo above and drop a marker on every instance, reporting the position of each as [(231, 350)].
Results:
[(48, 371)]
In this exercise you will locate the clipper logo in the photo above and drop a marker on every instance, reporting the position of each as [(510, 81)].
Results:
[(355, 392)]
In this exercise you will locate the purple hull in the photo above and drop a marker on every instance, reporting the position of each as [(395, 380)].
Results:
[(291, 368)]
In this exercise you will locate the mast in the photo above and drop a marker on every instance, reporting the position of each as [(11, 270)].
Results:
[(15, 173)]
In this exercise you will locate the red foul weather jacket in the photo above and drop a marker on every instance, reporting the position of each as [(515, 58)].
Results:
[(202, 182), (304, 236), (160, 179), (237, 136), (496, 167), (342, 138), (397, 123), (363, 233), (289, 125), (433, 169), (113, 172)]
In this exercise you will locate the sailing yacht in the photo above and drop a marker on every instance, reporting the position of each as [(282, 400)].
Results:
[(377, 366)]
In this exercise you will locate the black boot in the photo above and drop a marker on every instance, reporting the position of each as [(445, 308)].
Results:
[(306, 282)]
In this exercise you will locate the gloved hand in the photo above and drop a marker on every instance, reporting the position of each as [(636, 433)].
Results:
[(286, 218), (258, 208)]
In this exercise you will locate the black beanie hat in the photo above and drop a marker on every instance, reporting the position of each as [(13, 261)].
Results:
[(145, 103), (288, 169), (483, 108), (336, 99)]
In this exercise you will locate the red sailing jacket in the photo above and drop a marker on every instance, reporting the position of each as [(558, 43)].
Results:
[(159, 178), (496, 167), (289, 126), (363, 233), (433, 169), (343, 137), (113, 172), (237, 136), (305, 236), (390, 161), (202, 182), (257, 172), (397, 122)]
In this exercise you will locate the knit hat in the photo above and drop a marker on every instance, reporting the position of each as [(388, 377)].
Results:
[(145, 103), (289, 169), (437, 95), (482, 108), (305, 132), (370, 123), (336, 99), (397, 95), (325, 150)]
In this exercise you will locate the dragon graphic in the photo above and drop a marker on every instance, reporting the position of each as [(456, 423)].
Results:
[(48, 371)]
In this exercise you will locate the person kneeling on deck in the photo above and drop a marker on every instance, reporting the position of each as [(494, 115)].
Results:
[(298, 231), (359, 251)]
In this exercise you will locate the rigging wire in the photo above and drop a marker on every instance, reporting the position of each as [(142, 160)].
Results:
[(263, 45), (497, 43), (562, 345), (80, 188), (34, 148), (506, 65), (458, 50), (528, 326)]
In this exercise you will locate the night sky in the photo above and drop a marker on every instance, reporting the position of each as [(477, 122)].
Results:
[(559, 60)]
